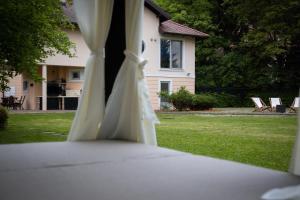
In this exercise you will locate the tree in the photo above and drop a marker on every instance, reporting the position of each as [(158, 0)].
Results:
[(272, 38), (31, 30), (5, 74), (252, 43)]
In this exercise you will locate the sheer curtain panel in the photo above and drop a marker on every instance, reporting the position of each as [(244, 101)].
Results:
[(295, 163), (94, 18), (128, 114)]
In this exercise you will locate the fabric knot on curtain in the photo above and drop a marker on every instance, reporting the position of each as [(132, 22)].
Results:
[(99, 53), (128, 114), (94, 17), (138, 60)]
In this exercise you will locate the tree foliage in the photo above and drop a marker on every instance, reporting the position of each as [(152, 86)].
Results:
[(31, 30), (252, 43)]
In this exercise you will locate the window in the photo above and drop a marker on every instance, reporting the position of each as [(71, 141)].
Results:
[(165, 86), (171, 54), (25, 85), (76, 74)]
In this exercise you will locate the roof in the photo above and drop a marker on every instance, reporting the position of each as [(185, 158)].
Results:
[(166, 25), (163, 16), (171, 27)]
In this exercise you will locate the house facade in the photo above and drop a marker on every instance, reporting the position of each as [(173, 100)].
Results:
[(169, 49)]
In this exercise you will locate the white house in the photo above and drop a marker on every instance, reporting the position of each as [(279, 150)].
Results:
[(169, 49)]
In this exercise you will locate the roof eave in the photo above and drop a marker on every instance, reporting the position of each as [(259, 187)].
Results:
[(202, 35), (163, 16), (191, 35)]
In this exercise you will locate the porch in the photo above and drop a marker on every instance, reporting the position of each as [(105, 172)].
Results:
[(60, 88)]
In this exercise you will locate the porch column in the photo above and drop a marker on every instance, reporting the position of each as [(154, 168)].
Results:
[(44, 87)]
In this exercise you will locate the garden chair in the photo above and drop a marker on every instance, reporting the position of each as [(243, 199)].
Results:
[(275, 101), (295, 105), (11, 102), (4, 101), (259, 104), (19, 103)]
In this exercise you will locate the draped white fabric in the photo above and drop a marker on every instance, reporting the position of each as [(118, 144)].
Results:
[(94, 18), (128, 113), (287, 193), (295, 163)]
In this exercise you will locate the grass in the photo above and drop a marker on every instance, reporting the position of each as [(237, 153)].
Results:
[(258, 140), (24, 128)]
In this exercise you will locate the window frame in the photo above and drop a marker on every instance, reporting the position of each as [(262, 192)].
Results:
[(170, 81), (81, 75), (170, 54)]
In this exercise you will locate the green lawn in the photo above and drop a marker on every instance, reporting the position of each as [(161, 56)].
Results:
[(259, 140)]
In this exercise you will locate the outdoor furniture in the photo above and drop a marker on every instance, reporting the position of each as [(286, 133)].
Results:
[(4, 101), (259, 104), (295, 105), (9, 102), (19, 103), (12, 102), (274, 102)]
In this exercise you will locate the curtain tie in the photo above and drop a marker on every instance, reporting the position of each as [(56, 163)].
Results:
[(99, 52), (140, 62)]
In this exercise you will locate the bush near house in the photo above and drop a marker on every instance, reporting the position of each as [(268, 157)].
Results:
[(3, 117), (182, 99), (203, 102), (227, 100), (185, 100)]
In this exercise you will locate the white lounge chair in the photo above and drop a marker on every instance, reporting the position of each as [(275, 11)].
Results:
[(295, 105), (275, 101), (259, 104)]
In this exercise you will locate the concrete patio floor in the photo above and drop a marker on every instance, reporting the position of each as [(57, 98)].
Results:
[(112, 170)]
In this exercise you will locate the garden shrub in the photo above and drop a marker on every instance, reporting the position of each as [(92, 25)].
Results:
[(203, 102), (3, 117), (185, 100), (182, 99), (226, 100)]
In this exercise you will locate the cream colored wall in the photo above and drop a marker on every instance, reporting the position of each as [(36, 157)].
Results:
[(175, 83), (74, 86), (17, 82), (154, 74), (152, 39), (82, 52)]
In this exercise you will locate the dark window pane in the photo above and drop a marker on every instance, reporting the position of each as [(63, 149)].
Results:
[(25, 85), (164, 86), (75, 75), (165, 53), (176, 54)]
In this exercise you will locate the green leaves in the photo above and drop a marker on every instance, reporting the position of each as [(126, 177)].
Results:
[(30, 31), (252, 43)]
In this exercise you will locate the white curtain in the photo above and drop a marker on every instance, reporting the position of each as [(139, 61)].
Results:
[(295, 162), (94, 18), (128, 113)]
